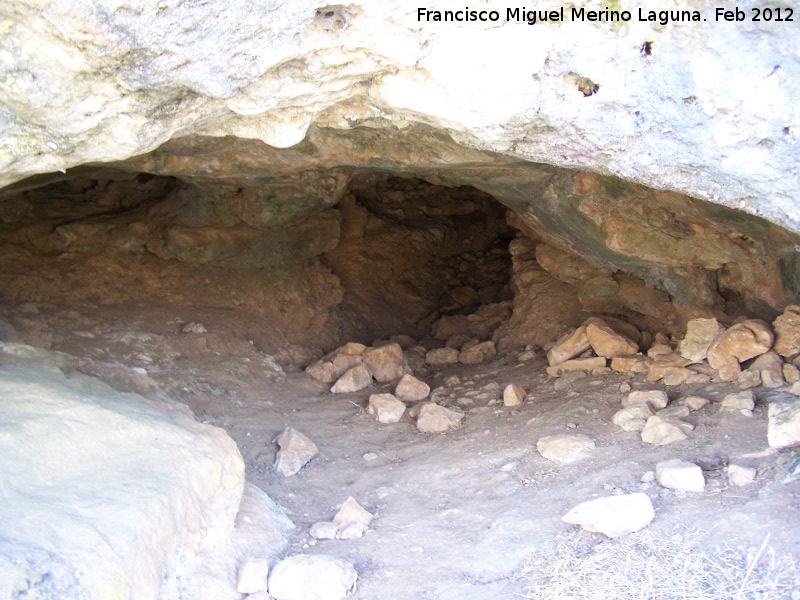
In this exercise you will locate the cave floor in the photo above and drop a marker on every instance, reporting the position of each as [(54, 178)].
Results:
[(471, 513)]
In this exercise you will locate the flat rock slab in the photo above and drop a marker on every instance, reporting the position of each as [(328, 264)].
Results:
[(607, 342), (312, 577), (613, 516), (295, 451), (565, 448), (569, 346), (783, 429)]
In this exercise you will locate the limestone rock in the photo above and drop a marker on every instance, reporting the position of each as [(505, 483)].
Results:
[(577, 364), (568, 346), (385, 363), (657, 399), (608, 343), (354, 380), (565, 448), (295, 451), (613, 516), (743, 400), (678, 411), (253, 574), (442, 356), (386, 407), (477, 354), (741, 341), (677, 474), (344, 362), (450, 325), (632, 417), (700, 334), (749, 379), (312, 577), (352, 512), (695, 402), (321, 371), (457, 341), (787, 332), (323, 530), (405, 341), (795, 389), (682, 375), (729, 369), (770, 367), (665, 430), (783, 430), (791, 373), (513, 395), (351, 349), (740, 476), (411, 389), (435, 419), (635, 363)]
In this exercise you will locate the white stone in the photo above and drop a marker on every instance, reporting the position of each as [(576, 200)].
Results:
[(565, 448), (695, 402), (322, 371), (253, 574), (354, 380), (352, 512), (324, 530), (385, 363), (678, 411), (633, 417), (677, 474), (613, 516), (665, 430), (435, 419), (739, 401), (700, 334), (657, 399), (411, 389), (386, 407), (312, 577), (513, 395), (740, 476), (295, 451), (783, 429), (569, 346)]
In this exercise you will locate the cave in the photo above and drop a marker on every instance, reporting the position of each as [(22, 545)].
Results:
[(316, 315)]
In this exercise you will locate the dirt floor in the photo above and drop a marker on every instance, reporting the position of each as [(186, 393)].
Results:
[(476, 512)]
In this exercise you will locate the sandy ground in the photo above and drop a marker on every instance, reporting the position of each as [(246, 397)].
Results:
[(473, 513)]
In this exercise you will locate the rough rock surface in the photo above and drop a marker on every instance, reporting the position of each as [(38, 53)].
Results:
[(411, 389), (657, 399), (442, 356), (295, 451), (433, 418), (665, 430), (783, 430), (513, 395), (607, 342), (740, 476), (386, 407), (742, 341), (565, 448), (385, 362), (700, 334), (353, 380), (312, 577), (569, 346), (743, 400), (787, 332), (478, 353), (680, 475), (613, 516), (576, 364), (633, 417)]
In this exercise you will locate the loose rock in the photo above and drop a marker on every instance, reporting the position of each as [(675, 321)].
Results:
[(729, 369), (387, 408), (635, 363), (613, 516), (791, 373), (385, 363), (323, 530), (633, 417), (680, 475), (565, 382), (783, 429), (695, 402), (411, 389), (312, 577), (749, 379), (435, 419), (442, 356), (770, 366), (740, 476), (700, 334), (787, 332), (565, 449), (477, 354), (569, 346), (513, 395), (295, 451), (665, 430), (578, 364), (739, 401), (742, 341), (253, 576), (344, 362), (450, 325), (607, 342), (352, 520), (321, 371), (678, 412), (657, 399), (194, 328), (682, 375), (354, 380)]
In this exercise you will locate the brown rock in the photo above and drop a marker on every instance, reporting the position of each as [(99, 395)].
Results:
[(665, 430), (741, 341), (513, 395), (656, 399), (568, 346), (351, 349), (354, 380), (695, 402), (791, 373), (450, 325), (321, 371), (749, 379), (478, 353), (442, 356), (636, 363), (434, 418), (385, 362), (739, 401), (633, 417), (578, 364), (457, 341), (606, 342), (682, 375), (770, 366), (345, 362), (411, 389), (787, 332), (700, 334), (729, 369)]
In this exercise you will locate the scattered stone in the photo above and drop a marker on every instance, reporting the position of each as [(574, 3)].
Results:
[(659, 349), (571, 425), (783, 429), (567, 380), (613, 516), (351, 532), (657, 399), (749, 379), (633, 417), (385, 363), (648, 477), (695, 402), (566, 448), (740, 476), (635, 363), (569, 346), (787, 332), (607, 342), (370, 456), (682, 375), (477, 354), (679, 412), (700, 334), (351, 349), (770, 366), (354, 380), (729, 369), (435, 419), (312, 577), (665, 430), (513, 395), (791, 373), (321, 371), (624, 387), (352, 520), (194, 328), (442, 356), (411, 389), (578, 364), (741, 341), (344, 362), (324, 530), (451, 380), (680, 475), (387, 408), (295, 451), (739, 401), (253, 574)]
